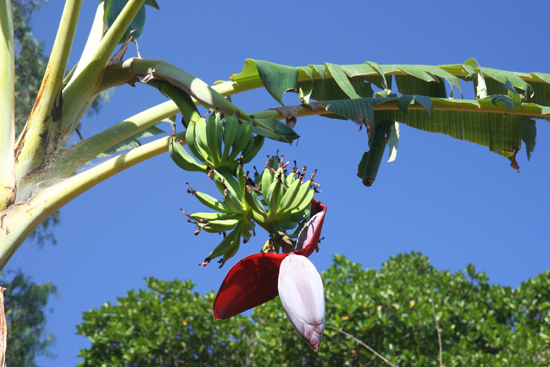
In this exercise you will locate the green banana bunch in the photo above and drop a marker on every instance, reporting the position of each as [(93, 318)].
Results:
[(286, 198), (220, 143)]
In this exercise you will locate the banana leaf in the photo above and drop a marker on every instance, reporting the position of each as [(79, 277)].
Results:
[(500, 118)]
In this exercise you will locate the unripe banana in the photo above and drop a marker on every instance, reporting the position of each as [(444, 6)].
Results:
[(304, 203), (300, 197), (227, 244), (220, 225), (244, 134), (254, 145), (298, 216), (183, 159), (254, 202), (267, 179), (212, 202), (214, 138), (201, 138), (241, 178), (273, 196), (247, 231), (229, 132), (290, 178), (233, 248), (191, 141), (230, 189), (209, 216), (290, 195)]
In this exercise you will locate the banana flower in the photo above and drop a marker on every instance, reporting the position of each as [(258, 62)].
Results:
[(303, 298), (259, 278)]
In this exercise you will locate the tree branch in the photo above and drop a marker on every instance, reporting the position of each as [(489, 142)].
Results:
[(364, 345), (438, 333)]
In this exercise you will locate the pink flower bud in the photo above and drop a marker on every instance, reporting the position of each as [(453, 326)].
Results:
[(302, 295)]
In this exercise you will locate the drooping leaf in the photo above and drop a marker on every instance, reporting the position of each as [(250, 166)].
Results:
[(272, 128), (529, 136), (342, 80), (404, 102), (361, 110), (393, 141), (412, 85), (277, 79), (380, 71), (501, 134), (328, 89), (426, 102), (453, 81), (509, 102), (505, 77), (113, 9)]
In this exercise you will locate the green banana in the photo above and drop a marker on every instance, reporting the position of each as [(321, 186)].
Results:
[(254, 202), (241, 178), (233, 247), (290, 195), (183, 159), (244, 134), (301, 195), (298, 216), (267, 179), (253, 147), (229, 187), (213, 138), (202, 140), (209, 216), (229, 132), (274, 194), (304, 203), (291, 177), (225, 245), (220, 225), (191, 142), (248, 231), (212, 202)]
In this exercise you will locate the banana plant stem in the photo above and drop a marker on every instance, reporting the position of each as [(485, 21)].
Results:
[(19, 220)]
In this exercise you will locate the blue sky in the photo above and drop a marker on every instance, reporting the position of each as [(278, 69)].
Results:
[(454, 201)]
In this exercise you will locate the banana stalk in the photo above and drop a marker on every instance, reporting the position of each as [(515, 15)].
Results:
[(7, 100)]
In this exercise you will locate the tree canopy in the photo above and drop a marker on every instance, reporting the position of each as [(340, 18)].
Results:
[(392, 310)]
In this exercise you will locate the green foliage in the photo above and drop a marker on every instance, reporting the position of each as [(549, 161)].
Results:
[(504, 101), (391, 309), (113, 9), (166, 325), (24, 305)]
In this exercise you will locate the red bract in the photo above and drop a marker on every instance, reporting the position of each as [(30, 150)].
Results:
[(253, 280)]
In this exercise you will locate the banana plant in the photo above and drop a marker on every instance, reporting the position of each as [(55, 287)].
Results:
[(40, 171)]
